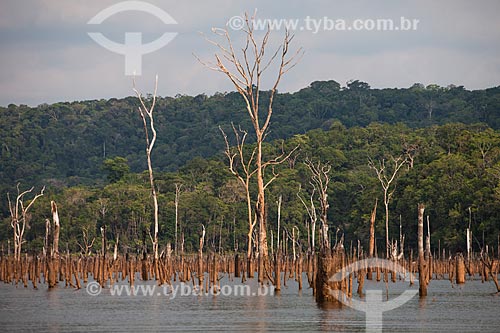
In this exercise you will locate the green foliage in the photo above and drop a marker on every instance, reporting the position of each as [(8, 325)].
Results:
[(115, 168), (67, 146)]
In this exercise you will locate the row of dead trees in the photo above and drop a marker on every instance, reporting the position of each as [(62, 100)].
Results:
[(319, 267), (205, 271)]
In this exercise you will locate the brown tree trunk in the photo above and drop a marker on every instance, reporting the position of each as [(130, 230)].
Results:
[(371, 247), (55, 218), (422, 272), (460, 269)]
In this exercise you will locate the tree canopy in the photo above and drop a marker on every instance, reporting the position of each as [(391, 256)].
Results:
[(90, 156)]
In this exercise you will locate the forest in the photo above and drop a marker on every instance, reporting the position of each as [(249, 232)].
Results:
[(90, 157)]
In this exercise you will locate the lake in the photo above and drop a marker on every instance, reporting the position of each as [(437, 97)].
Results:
[(469, 308)]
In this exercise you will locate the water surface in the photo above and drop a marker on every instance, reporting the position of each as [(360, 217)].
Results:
[(469, 308)]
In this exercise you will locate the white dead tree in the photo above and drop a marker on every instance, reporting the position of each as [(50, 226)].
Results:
[(320, 178), (387, 175), (57, 227), (242, 169), (19, 217), (46, 239), (313, 217), (86, 246), (245, 68), (146, 114)]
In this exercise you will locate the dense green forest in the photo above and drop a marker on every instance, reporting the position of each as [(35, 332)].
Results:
[(90, 155)]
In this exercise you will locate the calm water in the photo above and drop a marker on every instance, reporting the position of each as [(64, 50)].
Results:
[(470, 308)]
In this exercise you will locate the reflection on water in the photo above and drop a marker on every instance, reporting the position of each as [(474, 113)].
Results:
[(470, 308)]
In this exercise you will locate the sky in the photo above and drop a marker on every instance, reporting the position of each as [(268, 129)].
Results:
[(47, 55)]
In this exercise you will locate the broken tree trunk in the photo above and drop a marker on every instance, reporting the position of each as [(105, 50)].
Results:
[(200, 260), (371, 247), (55, 218), (422, 272), (330, 290)]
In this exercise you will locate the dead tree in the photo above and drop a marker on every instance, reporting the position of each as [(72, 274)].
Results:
[(245, 72), (55, 218), (19, 218), (146, 114), (313, 217), (371, 247), (422, 272), (244, 174), (410, 151), (201, 271), (115, 251), (489, 264), (46, 249), (387, 177), (87, 244), (320, 179), (371, 244)]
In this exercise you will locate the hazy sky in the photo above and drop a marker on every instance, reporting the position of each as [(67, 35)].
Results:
[(47, 56)]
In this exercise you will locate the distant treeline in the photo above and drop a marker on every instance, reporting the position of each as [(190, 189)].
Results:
[(66, 143)]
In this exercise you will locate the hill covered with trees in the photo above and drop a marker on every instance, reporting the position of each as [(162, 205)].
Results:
[(91, 157), (66, 143)]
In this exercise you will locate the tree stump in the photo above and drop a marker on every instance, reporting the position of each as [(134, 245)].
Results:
[(329, 263), (460, 269)]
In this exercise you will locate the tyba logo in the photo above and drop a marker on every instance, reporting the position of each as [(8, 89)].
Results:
[(133, 49), (374, 306)]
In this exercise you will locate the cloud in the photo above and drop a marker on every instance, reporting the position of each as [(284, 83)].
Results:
[(47, 55)]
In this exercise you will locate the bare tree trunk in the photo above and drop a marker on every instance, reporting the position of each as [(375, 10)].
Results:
[(260, 207), (143, 110), (311, 211), (279, 220), (371, 246), (428, 253), (19, 219), (115, 251), (201, 271), (55, 218), (46, 239), (387, 180), (244, 178), (245, 72), (320, 179), (387, 245), (422, 273)]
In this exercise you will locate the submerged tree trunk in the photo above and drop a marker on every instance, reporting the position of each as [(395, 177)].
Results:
[(55, 218), (145, 111), (422, 272), (371, 247)]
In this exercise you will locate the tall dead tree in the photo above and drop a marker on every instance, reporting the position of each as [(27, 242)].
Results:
[(19, 217), (244, 173), (313, 217), (201, 271), (387, 175), (46, 250), (146, 114), (422, 272), (245, 70), (320, 178), (371, 246), (55, 218)]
